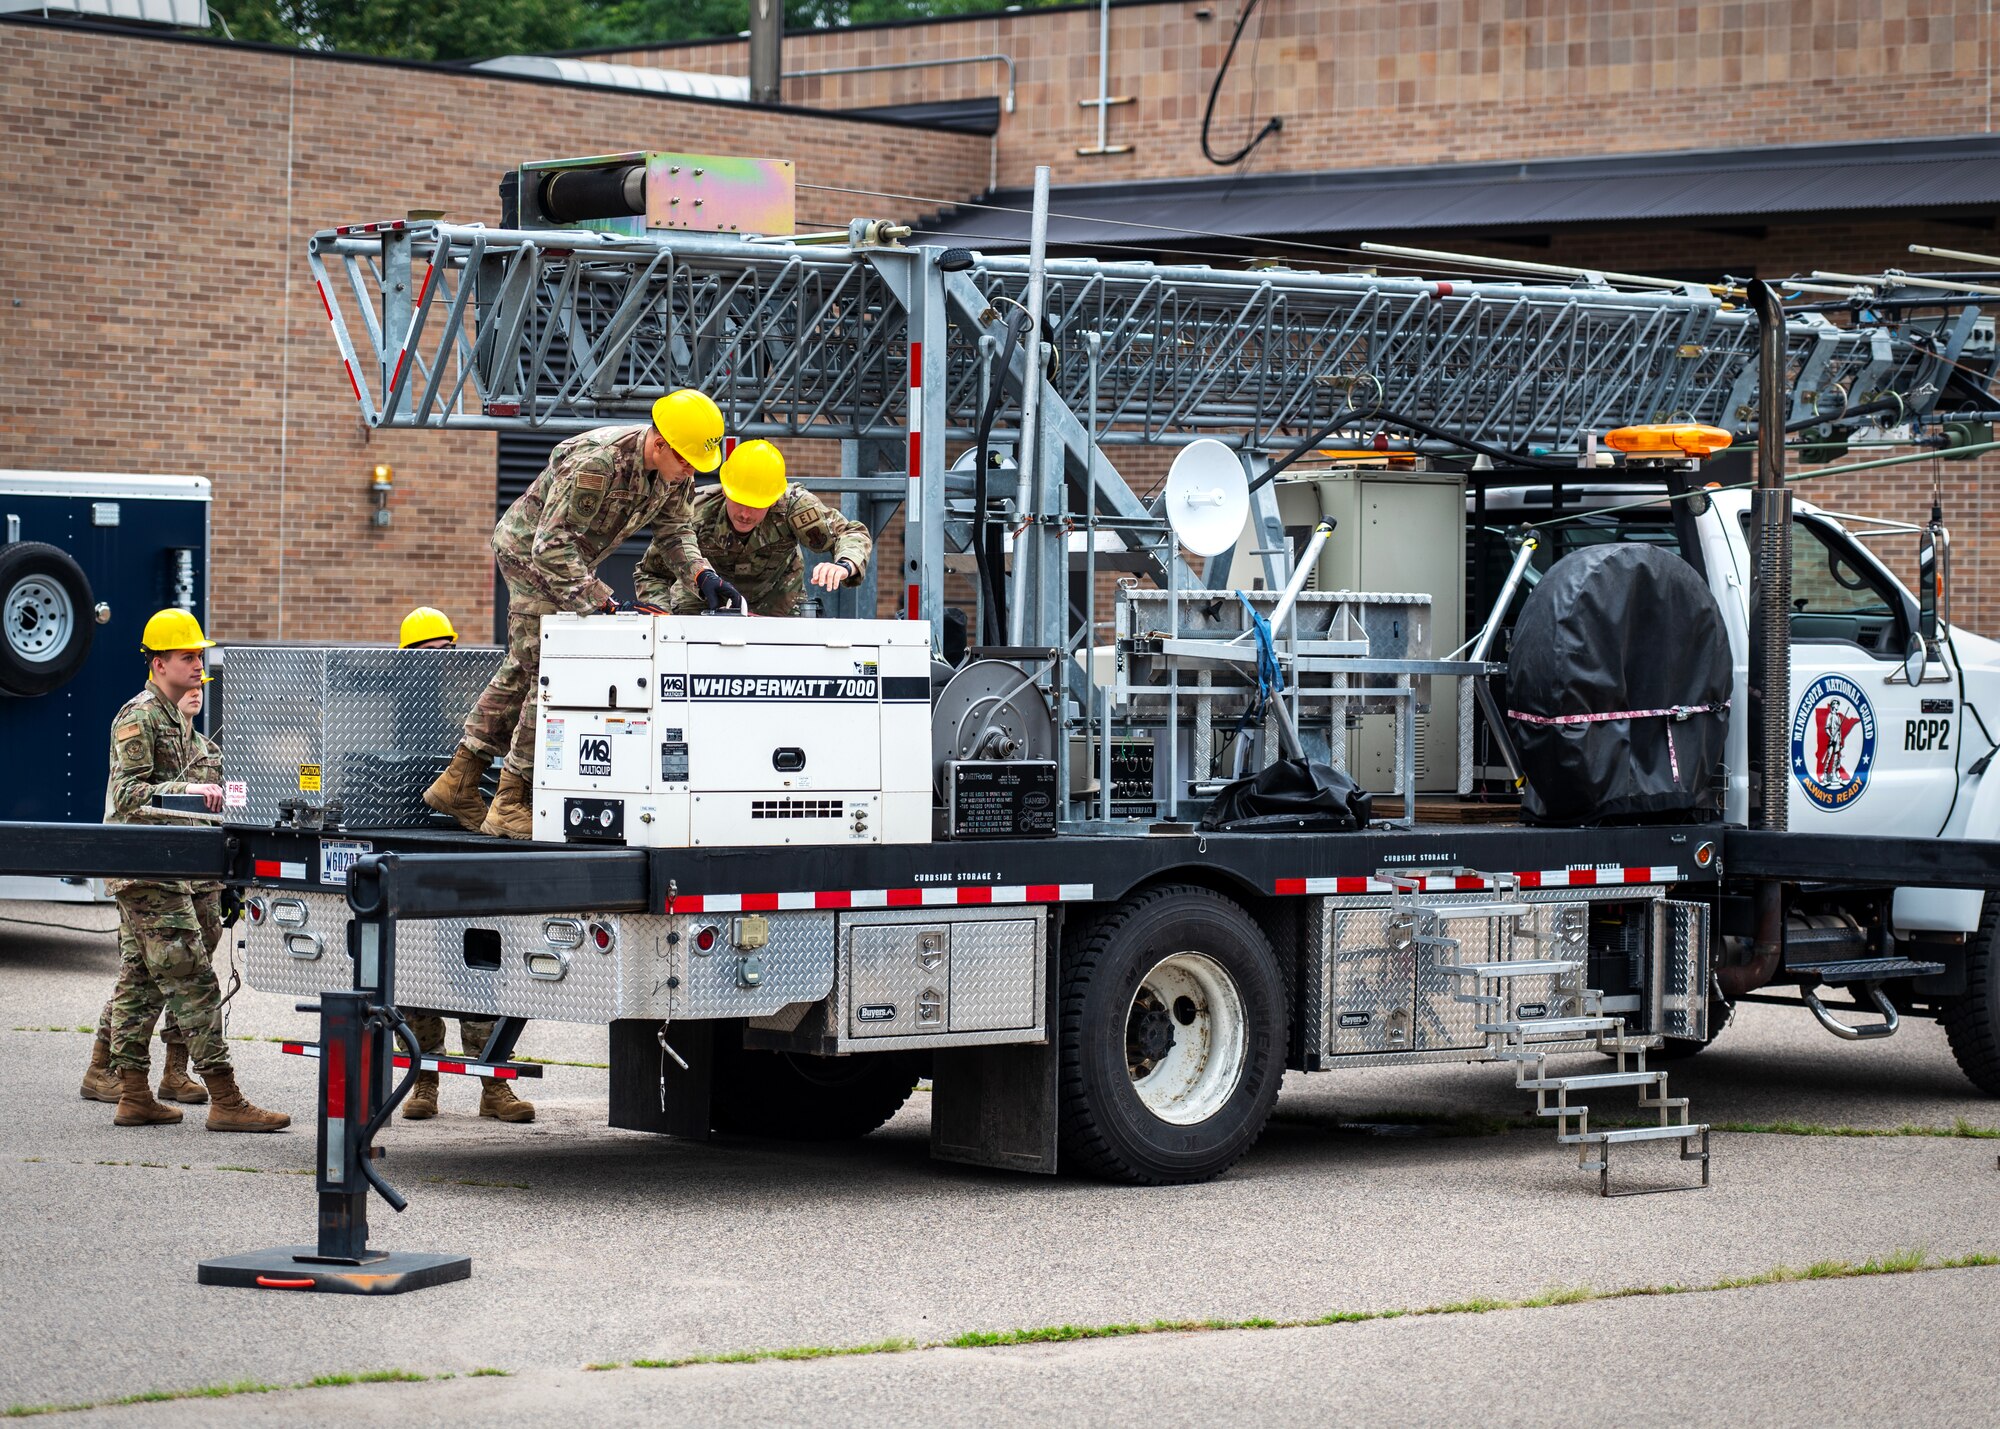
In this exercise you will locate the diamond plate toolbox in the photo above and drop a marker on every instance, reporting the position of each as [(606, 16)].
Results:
[(367, 726), (939, 977)]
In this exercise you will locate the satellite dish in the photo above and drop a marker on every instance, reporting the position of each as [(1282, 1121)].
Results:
[(1208, 499)]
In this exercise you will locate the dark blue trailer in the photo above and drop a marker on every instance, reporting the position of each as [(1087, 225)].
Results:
[(87, 558)]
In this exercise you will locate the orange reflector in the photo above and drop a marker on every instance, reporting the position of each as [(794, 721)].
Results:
[(1668, 439)]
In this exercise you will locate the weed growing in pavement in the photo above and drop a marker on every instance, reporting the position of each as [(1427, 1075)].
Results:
[(1902, 1262), (556, 1062), (487, 1371), (225, 1391)]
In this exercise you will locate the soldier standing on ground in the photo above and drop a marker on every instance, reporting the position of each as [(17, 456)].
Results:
[(166, 943), (598, 489), (752, 528), (427, 628), (100, 1083)]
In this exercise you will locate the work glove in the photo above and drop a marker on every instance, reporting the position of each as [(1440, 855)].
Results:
[(641, 607), (717, 593), (232, 906)]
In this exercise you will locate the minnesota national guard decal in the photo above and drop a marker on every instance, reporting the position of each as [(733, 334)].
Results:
[(1833, 742)]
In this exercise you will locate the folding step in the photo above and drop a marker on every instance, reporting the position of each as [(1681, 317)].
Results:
[(1526, 967), (1544, 1026), (1847, 970), (1624, 1134), (1591, 1079)]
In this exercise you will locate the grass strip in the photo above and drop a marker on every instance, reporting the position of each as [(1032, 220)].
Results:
[(222, 1391), (1902, 1262), (558, 1062)]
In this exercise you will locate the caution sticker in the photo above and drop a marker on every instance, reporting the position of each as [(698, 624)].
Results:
[(309, 778), (552, 744)]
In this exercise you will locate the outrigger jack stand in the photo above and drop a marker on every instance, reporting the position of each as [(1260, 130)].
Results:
[(355, 1069)]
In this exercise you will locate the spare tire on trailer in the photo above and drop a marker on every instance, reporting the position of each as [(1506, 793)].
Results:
[(47, 618), (1618, 691)]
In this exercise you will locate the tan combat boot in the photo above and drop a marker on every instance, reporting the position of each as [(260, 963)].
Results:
[(422, 1102), (512, 815), (498, 1100), (100, 1083), (232, 1111), (136, 1106), (456, 791), (175, 1083)]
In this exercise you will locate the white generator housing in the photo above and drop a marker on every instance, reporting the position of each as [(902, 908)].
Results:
[(678, 731)]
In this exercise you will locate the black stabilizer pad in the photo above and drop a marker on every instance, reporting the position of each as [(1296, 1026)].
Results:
[(286, 1268)]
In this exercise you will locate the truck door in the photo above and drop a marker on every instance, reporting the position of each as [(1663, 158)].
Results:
[(1870, 754)]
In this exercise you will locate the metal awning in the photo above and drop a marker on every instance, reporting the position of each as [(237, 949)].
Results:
[(1728, 187)]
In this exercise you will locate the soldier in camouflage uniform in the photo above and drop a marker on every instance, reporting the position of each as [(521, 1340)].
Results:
[(752, 529), (166, 942), (598, 489), (100, 1083)]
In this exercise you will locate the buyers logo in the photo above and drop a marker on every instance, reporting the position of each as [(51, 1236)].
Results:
[(593, 757), (1833, 742)]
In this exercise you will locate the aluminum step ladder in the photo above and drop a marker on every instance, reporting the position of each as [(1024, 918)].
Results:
[(1556, 1009)]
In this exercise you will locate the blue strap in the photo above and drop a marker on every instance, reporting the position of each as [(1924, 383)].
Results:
[(1270, 675)]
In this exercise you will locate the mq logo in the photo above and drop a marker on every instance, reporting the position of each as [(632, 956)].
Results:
[(1833, 742), (593, 756)]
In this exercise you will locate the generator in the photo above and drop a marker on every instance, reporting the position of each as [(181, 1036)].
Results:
[(676, 731)]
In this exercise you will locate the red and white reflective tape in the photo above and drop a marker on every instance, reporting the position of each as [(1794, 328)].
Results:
[(916, 472), (501, 1071), (1676, 713), (272, 868), (1465, 883), (974, 895)]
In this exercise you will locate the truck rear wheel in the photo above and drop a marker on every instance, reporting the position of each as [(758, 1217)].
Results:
[(1972, 1020), (1173, 1037), (793, 1097)]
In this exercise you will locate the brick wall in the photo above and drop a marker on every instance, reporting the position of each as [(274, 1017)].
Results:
[(159, 315), (1384, 82)]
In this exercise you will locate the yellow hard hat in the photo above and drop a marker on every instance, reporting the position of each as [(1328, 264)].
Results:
[(754, 475), (425, 623), (173, 630), (692, 425)]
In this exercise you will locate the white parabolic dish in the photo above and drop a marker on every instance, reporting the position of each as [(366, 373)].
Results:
[(1208, 499)]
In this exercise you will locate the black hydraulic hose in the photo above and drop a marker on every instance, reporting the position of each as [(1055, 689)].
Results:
[(1805, 424), (989, 588), (1397, 419), (391, 1018), (1271, 125)]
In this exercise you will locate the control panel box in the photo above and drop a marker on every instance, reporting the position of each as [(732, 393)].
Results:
[(701, 731)]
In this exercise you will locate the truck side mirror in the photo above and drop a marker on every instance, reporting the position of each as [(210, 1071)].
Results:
[(1933, 580)]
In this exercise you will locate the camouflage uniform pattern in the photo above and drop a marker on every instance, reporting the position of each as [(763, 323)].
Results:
[(166, 931), (207, 896), (429, 1027), (764, 564), (595, 494)]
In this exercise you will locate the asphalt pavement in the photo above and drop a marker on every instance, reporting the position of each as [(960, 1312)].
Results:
[(1371, 1191)]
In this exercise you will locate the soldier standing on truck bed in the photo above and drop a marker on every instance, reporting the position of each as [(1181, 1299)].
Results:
[(753, 527), (427, 628), (168, 931), (100, 1083), (598, 489)]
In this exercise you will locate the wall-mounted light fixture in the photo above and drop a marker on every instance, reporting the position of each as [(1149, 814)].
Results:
[(380, 483)]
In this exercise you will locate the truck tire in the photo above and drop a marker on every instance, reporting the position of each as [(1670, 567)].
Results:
[(792, 1097), (46, 619), (1174, 1022), (1972, 1019)]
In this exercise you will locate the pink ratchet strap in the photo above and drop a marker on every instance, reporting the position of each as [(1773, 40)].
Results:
[(1677, 713)]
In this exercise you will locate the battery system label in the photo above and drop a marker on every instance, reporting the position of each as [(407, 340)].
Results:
[(786, 687), (552, 745), (309, 777)]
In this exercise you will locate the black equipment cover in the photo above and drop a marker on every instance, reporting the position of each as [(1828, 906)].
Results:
[(1291, 794), (1629, 636)]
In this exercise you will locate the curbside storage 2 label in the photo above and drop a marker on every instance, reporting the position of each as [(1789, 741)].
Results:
[(1833, 742)]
